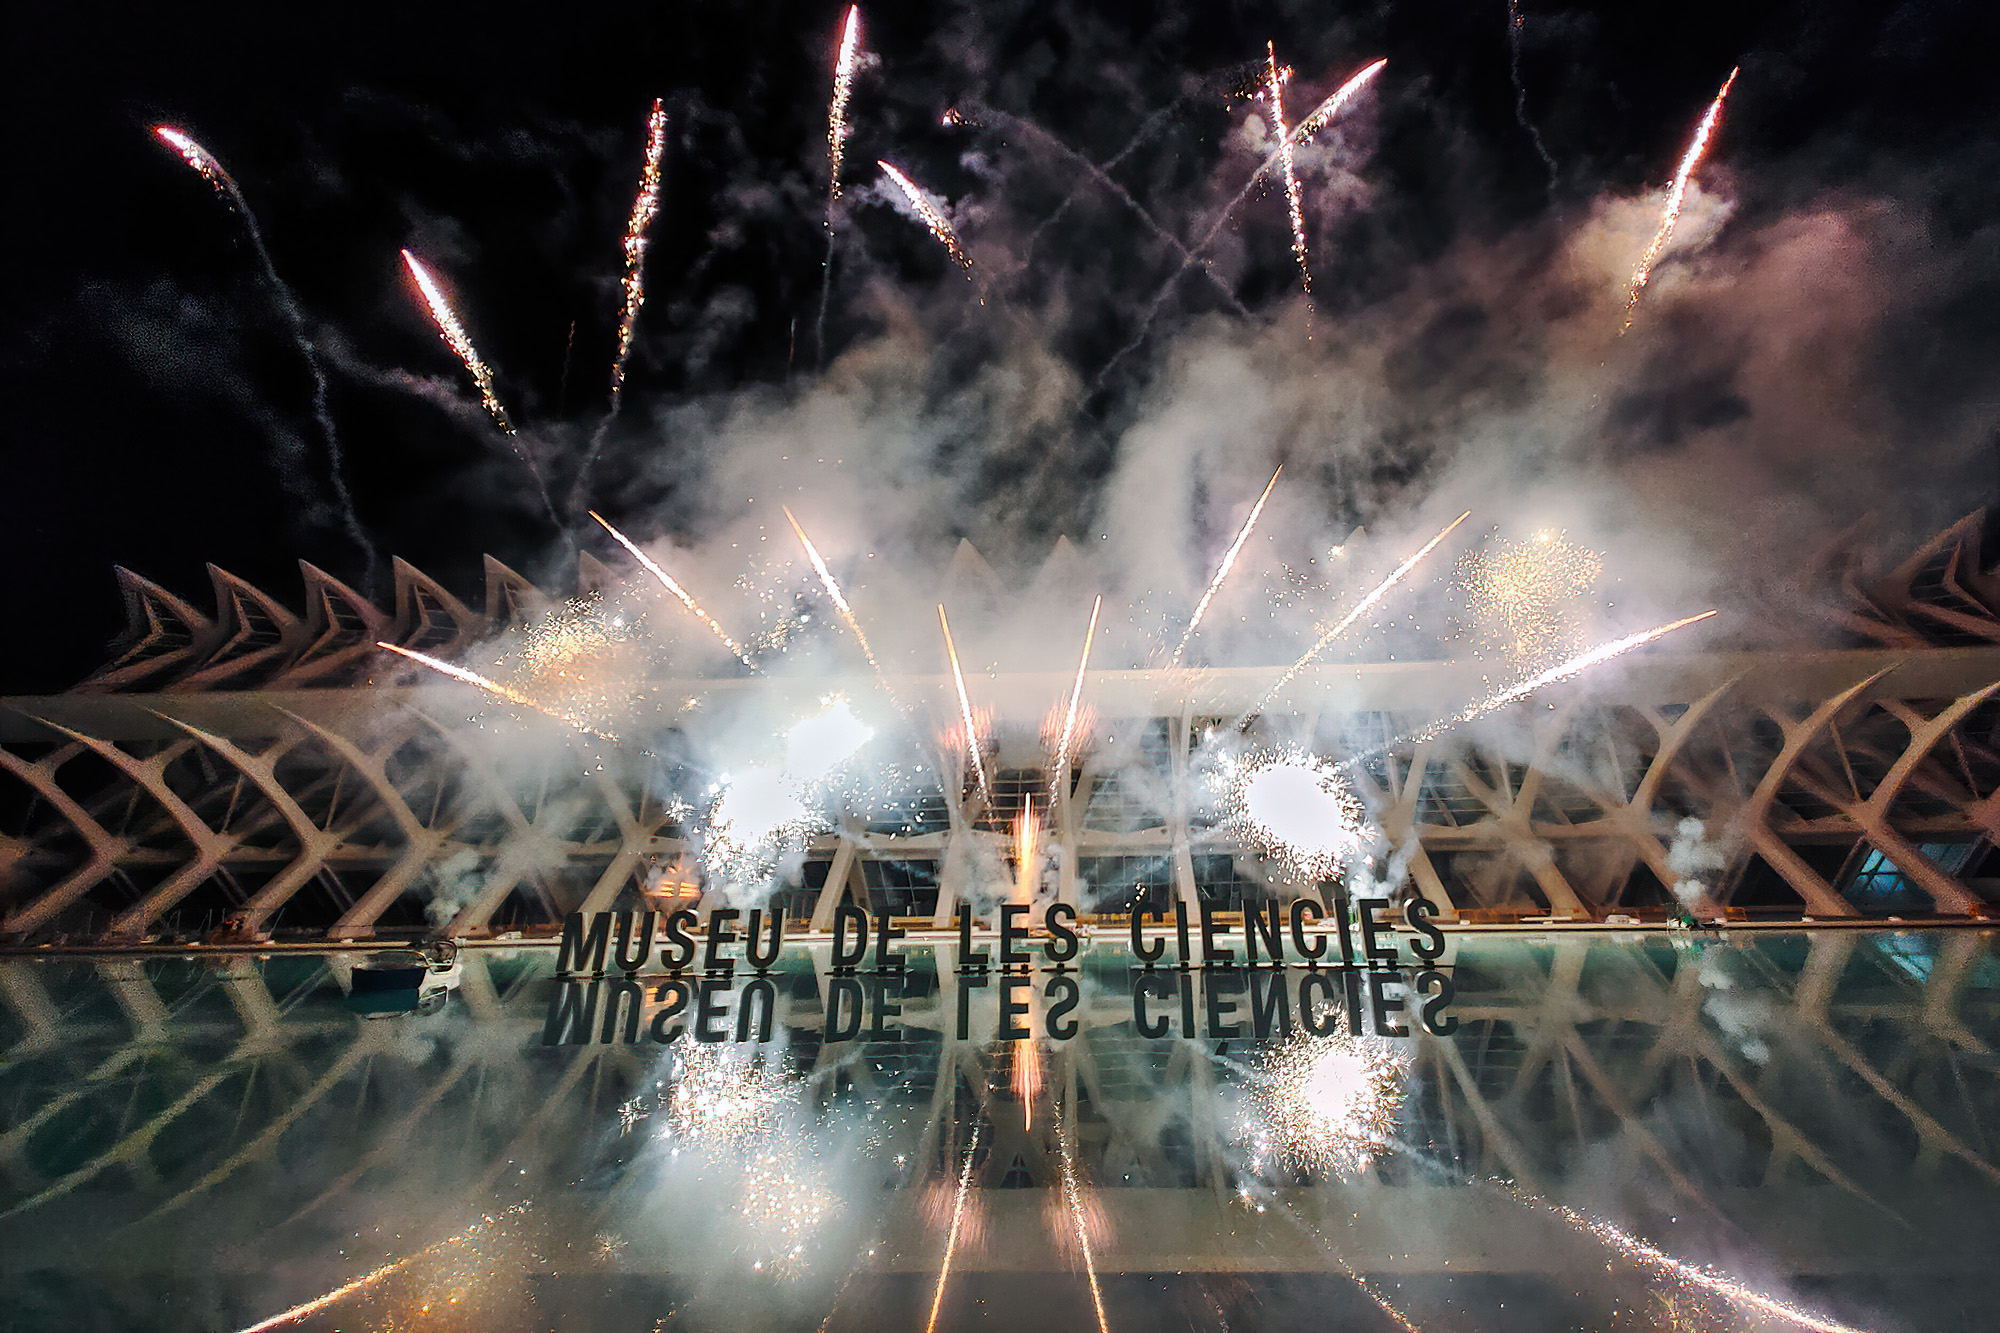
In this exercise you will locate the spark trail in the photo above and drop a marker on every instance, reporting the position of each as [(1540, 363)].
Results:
[(1676, 198), (367, 1280), (455, 338), (1307, 129), (1514, 23), (210, 168), (837, 130), (951, 1237), (1274, 88), (1066, 743), (1079, 1229), (932, 217), (1222, 570), (1361, 608), (826, 581), (645, 206), (667, 581), (1522, 689), (972, 755), (494, 688)]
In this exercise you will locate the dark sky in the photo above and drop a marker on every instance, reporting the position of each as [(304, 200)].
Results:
[(158, 413)]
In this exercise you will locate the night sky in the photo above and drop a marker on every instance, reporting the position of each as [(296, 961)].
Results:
[(158, 413)]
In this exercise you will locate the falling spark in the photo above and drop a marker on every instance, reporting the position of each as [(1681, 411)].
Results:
[(1728, 1288), (972, 754), (1527, 598), (1561, 671), (1675, 198), (1066, 743), (932, 216), (951, 1237), (666, 581), (455, 338), (1222, 570), (836, 112), (1361, 608), (1284, 138), (839, 601), (495, 689), (644, 206), (1079, 1228), (366, 1280)]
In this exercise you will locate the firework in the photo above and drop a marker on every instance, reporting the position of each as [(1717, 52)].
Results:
[(957, 1219), (496, 689), (367, 1280), (1066, 741), (644, 205), (1514, 24), (826, 581), (1297, 807), (1328, 1104), (836, 112), (1027, 854), (818, 745), (1222, 570), (666, 581), (1027, 1078), (1284, 138), (204, 162), (1561, 671), (1722, 1285), (1526, 595), (455, 338), (972, 753), (1361, 608), (1676, 196), (932, 217), (1073, 1205)]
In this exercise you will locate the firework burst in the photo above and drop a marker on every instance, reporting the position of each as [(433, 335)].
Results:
[(931, 215), (1527, 598), (1221, 571), (668, 582), (455, 338), (1328, 1104), (1676, 197), (1297, 808)]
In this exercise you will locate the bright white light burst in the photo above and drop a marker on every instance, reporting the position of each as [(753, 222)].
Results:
[(1297, 808), (1327, 1104)]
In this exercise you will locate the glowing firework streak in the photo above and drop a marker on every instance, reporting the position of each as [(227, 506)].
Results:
[(1675, 198), (972, 755), (826, 581), (1222, 570), (1066, 744), (1027, 854), (666, 581), (644, 206), (933, 217), (1361, 608), (1278, 131), (493, 688), (1561, 671), (951, 1237), (366, 1280), (455, 338), (1323, 114), (1073, 1204), (836, 112), (1730, 1290), (203, 161)]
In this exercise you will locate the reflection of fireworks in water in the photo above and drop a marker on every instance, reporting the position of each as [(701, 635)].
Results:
[(1328, 1104), (1080, 1218), (1274, 89), (783, 1204), (1676, 196), (455, 338), (932, 217), (1027, 1078), (1361, 608), (711, 1099), (973, 756), (1559, 672), (1526, 597), (472, 1233), (957, 1222), (1222, 570), (1296, 807), (495, 689), (666, 581), (644, 206), (1653, 1257)]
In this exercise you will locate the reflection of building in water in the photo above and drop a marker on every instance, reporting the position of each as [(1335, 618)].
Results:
[(1714, 1096), (276, 772)]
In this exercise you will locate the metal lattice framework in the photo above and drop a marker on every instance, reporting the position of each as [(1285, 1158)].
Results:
[(274, 771)]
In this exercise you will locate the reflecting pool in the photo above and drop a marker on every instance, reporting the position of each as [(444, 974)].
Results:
[(1537, 1131)]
